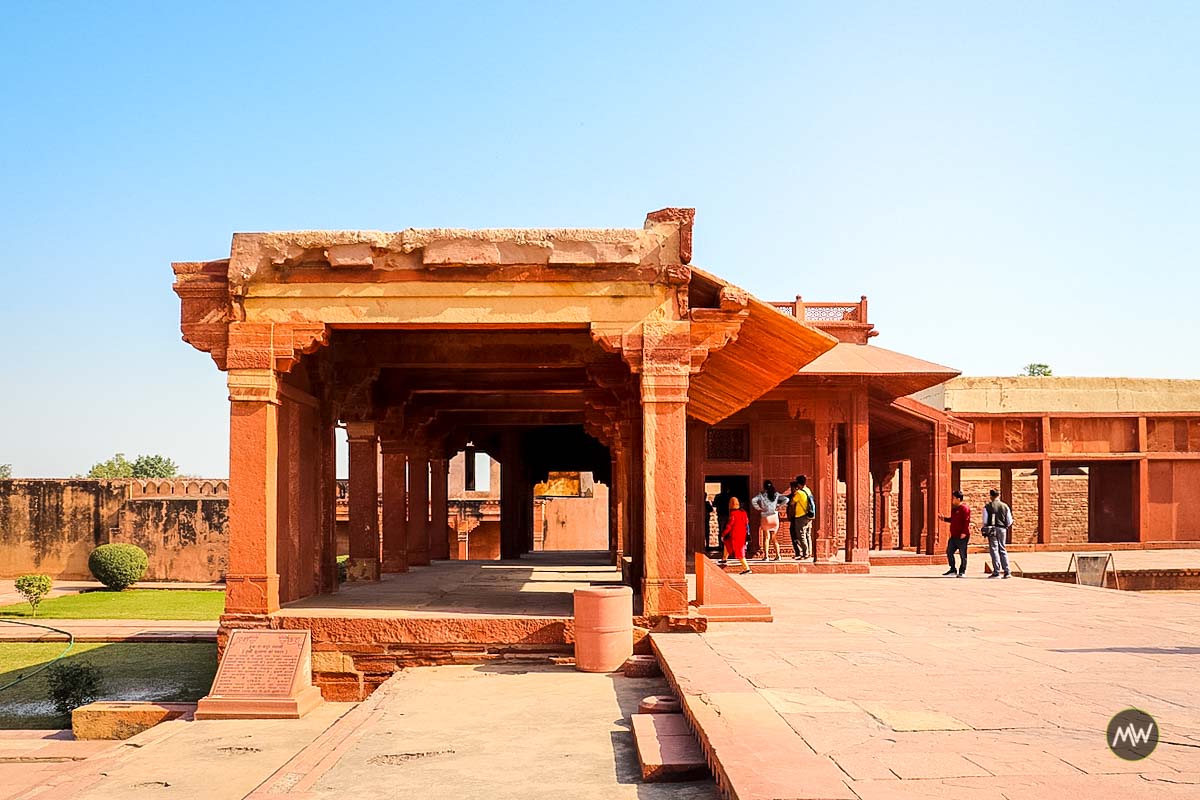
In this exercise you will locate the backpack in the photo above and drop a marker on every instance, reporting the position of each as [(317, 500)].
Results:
[(812, 504)]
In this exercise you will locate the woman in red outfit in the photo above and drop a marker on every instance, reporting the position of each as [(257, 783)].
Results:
[(735, 533)]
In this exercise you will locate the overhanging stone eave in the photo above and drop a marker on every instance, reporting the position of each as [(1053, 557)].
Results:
[(769, 348)]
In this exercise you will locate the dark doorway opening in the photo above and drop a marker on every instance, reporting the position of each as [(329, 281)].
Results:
[(730, 486)]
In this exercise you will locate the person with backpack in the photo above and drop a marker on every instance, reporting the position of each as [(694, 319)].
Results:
[(802, 510), (737, 531), (767, 504), (997, 522)]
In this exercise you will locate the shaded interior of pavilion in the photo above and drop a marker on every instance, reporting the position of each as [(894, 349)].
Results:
[(539, 403)]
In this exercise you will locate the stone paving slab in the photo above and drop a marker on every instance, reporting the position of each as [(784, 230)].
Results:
[(112, 630), (918, 686)]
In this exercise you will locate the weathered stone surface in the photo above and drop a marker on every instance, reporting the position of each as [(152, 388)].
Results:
[(667, 750), (640, 666), (121, 720), (51, 526)]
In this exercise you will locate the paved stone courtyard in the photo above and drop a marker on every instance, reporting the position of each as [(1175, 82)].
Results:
[(910, 684), (920, 686)]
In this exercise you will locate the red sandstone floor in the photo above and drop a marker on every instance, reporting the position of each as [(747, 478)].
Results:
[(918, 686), (538, 585)]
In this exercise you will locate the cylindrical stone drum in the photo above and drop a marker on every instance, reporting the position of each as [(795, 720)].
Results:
[(603, 628)]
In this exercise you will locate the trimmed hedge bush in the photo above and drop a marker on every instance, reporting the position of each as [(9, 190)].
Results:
[(118, 566)]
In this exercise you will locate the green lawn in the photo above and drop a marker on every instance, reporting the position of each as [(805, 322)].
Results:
[(194, 604), (165, 672)]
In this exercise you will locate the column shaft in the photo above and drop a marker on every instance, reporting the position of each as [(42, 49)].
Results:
[(395, 508), (252, 580), (364, 502)]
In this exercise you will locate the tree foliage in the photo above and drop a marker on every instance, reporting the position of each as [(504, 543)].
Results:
[(33, 588), (155, 466), (5, 471), (1037, 370)]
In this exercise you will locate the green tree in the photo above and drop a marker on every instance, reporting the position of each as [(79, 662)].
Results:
[(156, 466), (116, 467), (1037, 370), (33, 588), (5, 471)]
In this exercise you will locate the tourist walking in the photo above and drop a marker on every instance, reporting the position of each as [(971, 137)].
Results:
[(802, 510), (997, 522), (960, 533), (767, 504), (737, 531)]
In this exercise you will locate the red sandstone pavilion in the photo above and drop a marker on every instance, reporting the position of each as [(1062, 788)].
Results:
[(603, 351)]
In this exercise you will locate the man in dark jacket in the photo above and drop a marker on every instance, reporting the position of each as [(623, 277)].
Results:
[(960, 533), (997, 522)]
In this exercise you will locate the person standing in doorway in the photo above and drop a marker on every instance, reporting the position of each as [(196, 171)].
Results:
[(737, 531), (802, 510), (997, 522), (767, 504), (960, 533)]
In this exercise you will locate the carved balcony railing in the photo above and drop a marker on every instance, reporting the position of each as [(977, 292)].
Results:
[(824, 312), (847, 321)]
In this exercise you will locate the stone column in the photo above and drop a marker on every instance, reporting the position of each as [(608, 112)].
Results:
[(364, 502), (621, 484), (1043, 483), (939, 486), (418, 506), (439, 514), (1141, 486), (395, 507), (825, 529), (1006, 485), (858, 480), (327, 497), (252, 579), (1043, 486), (664, 426), (510, 523)]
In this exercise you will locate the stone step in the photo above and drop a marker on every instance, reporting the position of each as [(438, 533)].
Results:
[(667, 750)]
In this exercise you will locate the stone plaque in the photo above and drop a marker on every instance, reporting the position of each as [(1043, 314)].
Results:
[(261, 664), (262, 675), (1091, 570)]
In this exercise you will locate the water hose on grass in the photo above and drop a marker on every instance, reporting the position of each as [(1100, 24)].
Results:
[(70, 643)]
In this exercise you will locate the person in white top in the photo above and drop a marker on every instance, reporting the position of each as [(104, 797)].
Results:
[(768, 505)]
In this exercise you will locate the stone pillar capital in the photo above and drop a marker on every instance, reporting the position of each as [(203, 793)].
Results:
[(253, 385), (361, 431), (664, 387), (392, 447)]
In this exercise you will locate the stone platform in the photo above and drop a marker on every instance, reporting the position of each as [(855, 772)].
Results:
[(905, 684), (451, 612)]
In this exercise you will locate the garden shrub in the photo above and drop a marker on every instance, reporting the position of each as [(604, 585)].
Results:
[(118, 566), (33, 588), (72, 684)]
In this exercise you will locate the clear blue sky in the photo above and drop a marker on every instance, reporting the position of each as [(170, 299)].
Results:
[(1007, 182)]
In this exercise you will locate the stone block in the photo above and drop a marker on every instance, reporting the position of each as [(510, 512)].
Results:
[(112, 720), (666, 748)]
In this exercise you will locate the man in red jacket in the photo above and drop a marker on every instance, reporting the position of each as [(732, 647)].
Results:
[(960, 533)]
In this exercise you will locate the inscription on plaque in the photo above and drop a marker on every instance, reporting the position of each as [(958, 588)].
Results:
[(263, 675), (261, 664)]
